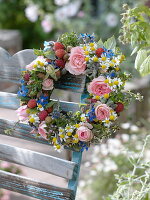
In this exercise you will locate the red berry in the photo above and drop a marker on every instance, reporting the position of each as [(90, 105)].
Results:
[(60, 53), (60, 63), (42, 115), (99, 51), (32, 103), (58, 45), (49, 110), (119, 107), (26, 76)]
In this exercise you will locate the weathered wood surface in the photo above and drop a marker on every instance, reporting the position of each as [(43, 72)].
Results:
[(37, 161), (33, 188), (73, 183), (11, 67), (9, 100)]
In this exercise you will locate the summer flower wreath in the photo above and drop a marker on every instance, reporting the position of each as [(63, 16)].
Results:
[(105, 95)]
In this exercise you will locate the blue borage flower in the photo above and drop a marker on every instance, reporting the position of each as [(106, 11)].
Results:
[(91, 115), (83, 146), (43, 100), (47, 45), (23, 92), (86, 36), (56, 114), (108, 53)]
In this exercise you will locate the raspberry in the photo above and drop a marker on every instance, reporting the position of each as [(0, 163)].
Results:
[(42, 115), (26, 77), (58, 45), (49, 110), (119, 108), (60, 63), (60, 53), (99, 51), (32, 103)]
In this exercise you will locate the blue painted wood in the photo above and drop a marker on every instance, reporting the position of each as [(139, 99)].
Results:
[(73, 183), (33, 188)]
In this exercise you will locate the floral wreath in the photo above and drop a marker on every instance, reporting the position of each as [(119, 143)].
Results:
[(105, 95)]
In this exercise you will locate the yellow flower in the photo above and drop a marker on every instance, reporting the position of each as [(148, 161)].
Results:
[(107, 121), (122, 57), (84, 47), (32, 120), (75, 141), (111, 64), (28, 111), (95, 59), (77, 125), (106, 81), (40, 63), (39, 106), (116, 82), (92, 48), (62, 136), (76, 135), (112, 117), (58, 146), (35, 65), (54, 139), (69, 133), (86, 59), (111, 84), (104, 66), (97, 97), (91, 44), (113, 60), (103, 58), (117, 68), (106, 96), (86, 52)]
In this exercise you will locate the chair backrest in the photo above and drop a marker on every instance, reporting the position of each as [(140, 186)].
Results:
[(10, 68)]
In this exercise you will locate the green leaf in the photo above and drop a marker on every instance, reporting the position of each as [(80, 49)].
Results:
[(145, 67), (50, 104), (141, 56), (100, 44), (110, 43), (135, 50), (50, 55), (51, 71), (38, 52)]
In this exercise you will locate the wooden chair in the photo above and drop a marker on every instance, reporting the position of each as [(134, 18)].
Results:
[(10, 68)]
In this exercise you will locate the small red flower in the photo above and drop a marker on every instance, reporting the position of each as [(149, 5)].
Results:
[(60, 63), (42, 115), (26, 76), (99, 51), (60, 53), (32, 103), (119, 107), (58, 45)]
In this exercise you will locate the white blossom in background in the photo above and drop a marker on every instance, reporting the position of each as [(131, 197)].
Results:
[(111, 19), (134, 128), (125, 125), (125, 137), (47, 23), (32, 12), (67, 11), (109, 165), (61, 2)]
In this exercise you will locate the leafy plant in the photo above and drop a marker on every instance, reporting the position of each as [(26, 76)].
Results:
[(136, 32)]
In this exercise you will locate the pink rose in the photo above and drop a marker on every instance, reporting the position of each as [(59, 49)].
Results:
[(99, 87), (102, 111), (21, 112), (42, 131), (76, 64), (84, 134), (48, 84)]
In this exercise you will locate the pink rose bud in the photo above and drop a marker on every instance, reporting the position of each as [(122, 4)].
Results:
[(99, 87), (76, 64), (48, 84), (42, 131), (102, 112), (22, 114), (84, 134)]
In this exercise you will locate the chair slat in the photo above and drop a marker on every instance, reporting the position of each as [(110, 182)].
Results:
[(9, 100), (37, 161), (11, 67), (33, 188)]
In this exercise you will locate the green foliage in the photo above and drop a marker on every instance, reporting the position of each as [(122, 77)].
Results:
[(69, 39), (136, 32)]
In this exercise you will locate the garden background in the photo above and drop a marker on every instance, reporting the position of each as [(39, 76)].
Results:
[(26, 24)]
